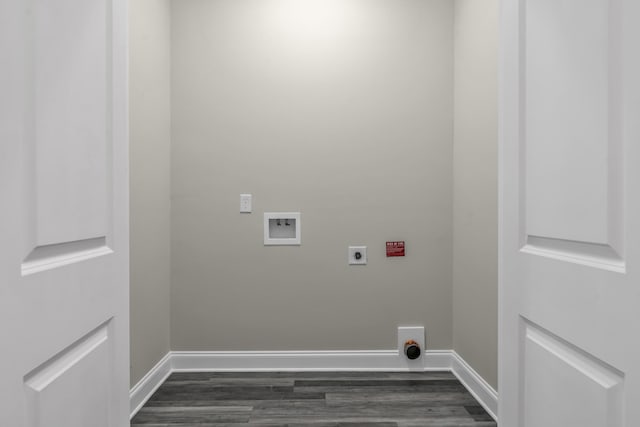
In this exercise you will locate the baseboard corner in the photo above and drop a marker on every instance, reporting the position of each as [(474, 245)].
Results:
[(481, 390), (142, 391)]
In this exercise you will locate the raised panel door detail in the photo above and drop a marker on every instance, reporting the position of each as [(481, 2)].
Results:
[(64, 255), (69, 140), (572, 162), (554, 370), (71, 78), (80, 373)]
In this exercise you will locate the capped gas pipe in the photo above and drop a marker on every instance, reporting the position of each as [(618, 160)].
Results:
[(412, 349)]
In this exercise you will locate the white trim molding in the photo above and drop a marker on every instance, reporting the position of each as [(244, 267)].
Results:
[(265, 361), (486, 395), (252, 361), (142, 391)]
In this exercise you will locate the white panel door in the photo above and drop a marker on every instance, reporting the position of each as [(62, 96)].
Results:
[(570, 214), (64, 321)]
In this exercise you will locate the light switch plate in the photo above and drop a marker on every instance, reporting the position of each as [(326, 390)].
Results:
[(245, 203)]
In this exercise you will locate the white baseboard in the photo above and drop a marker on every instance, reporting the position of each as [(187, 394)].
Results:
[(477, 386), (264, 361), (364, 360), (142, 391)]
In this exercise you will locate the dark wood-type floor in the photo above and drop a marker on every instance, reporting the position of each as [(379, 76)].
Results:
[(318, 399)]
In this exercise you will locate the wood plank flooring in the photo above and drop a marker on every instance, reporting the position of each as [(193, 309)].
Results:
[(317, 399)]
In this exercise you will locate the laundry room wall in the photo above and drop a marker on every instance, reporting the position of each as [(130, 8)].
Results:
[(150, 137), (342, 111), (475, 188)]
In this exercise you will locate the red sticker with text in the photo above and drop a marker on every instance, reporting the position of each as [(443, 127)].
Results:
[(395, 249)]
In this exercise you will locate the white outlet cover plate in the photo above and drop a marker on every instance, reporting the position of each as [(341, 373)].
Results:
[(352, 255), (415, 333)]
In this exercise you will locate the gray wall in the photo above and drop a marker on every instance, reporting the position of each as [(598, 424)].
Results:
[(345, 115), (475, 159), (150, 183), (356, 135)]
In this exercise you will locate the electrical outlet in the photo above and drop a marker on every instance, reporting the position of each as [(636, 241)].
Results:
[(357, 255)]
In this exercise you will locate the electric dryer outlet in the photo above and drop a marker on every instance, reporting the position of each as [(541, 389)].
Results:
[(357, 255)]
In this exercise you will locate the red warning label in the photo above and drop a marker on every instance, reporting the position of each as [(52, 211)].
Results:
[(395, 249)]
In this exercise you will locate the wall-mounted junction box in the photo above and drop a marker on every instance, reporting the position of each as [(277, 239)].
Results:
[(282, 228)]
